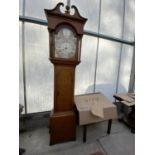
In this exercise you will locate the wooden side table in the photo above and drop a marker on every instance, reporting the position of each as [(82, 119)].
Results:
[(127, 99)]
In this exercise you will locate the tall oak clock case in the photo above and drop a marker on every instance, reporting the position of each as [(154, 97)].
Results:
[(65, 34)]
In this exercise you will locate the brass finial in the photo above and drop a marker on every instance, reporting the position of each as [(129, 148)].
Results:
[(68, 6)]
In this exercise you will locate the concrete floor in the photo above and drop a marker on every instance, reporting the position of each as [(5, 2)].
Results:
[(120, 142)]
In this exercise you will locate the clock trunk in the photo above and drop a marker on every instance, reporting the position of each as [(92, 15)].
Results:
[(64, 78)]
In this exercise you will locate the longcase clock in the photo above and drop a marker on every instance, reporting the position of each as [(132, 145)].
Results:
[(65, 36)]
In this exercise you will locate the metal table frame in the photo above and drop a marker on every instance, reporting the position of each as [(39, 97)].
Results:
[(85, 130)]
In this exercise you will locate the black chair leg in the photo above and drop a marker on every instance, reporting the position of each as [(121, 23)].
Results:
[(109, 126), (84, 133)]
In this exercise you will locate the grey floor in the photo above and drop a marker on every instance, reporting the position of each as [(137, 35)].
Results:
[(120, 142)]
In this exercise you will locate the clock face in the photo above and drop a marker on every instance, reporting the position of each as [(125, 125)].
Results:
[(65, 44)]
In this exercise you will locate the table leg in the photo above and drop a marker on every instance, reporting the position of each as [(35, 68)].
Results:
[(84, 133), (131, 119), (109, 126)]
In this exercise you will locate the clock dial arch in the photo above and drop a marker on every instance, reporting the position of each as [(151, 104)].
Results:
[(66, 41)]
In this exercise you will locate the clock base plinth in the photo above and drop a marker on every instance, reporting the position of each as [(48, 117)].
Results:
[(62, 127)]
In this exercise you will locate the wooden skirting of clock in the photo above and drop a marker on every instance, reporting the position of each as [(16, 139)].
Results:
[(65, 37)]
